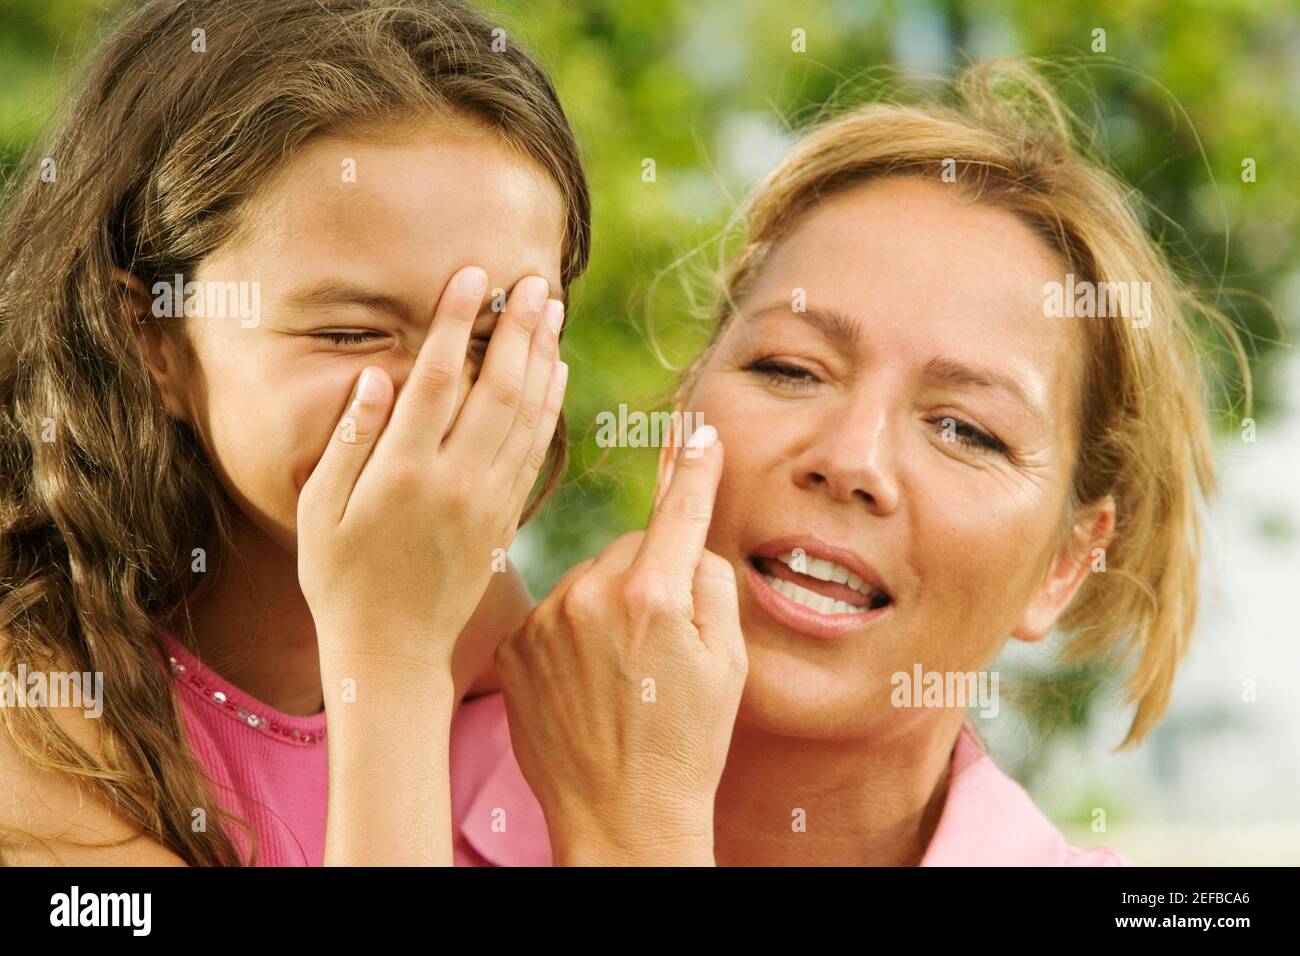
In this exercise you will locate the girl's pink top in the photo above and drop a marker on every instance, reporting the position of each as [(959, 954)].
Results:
[(271, 769)]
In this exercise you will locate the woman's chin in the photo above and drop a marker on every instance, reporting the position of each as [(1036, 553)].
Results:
[(787, 694)]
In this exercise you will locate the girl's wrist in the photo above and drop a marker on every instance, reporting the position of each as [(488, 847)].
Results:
[(361, 683), (394, 650)]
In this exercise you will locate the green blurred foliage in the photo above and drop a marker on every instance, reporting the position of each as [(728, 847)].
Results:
[(712, 89)]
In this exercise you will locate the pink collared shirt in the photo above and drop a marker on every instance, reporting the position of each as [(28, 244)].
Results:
[(988, 819)]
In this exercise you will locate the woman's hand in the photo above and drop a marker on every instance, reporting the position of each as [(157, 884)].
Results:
[(398, 525), (622, 686)]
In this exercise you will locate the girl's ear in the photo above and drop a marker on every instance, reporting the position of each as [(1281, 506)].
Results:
[(165, 362), (1074, 560)]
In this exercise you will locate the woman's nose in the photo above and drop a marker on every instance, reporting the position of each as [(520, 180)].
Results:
[(850, 457)]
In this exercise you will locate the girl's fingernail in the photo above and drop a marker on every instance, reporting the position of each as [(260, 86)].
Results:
[(554, 314), (472, 281), (559, 374), (369, 387), (534, 289)]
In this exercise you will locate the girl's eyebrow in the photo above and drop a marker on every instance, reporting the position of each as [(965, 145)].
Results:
[(333, 292)]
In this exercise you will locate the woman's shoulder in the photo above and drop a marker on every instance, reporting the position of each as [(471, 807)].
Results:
[(480, 738), (1094, 856), (989, 819), (496, 820)]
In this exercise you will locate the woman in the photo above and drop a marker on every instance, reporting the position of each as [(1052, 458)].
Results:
[(922, 460)]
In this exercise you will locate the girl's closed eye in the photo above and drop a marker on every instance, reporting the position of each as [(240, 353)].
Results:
[(342, 337), (345, 337)]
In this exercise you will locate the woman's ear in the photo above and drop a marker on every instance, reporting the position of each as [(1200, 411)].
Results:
[(1083, 553), (165, 361)]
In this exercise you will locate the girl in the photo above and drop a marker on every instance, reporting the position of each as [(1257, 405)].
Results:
[(258, 457)]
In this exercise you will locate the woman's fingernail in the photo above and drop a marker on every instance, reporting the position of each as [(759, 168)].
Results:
[(554, 315), (472, 281), (534, 289), (559, 374), (369, 387), (704, 436)]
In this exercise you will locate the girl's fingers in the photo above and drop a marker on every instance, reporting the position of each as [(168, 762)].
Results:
[(526, 470), (428, 400), (528, 421), (335, 475), (494, 401)]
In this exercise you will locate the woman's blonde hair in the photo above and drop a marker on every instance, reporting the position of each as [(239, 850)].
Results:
[(1144, 431), (102, 495)]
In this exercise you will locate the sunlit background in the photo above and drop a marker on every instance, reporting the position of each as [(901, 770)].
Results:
[(713, 92)]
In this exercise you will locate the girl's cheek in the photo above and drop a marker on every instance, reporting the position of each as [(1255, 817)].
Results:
[(309, 416)]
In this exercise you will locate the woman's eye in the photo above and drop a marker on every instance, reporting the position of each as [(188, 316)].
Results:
[(971, 437), (795, 376), (783, 373), (345, 338)]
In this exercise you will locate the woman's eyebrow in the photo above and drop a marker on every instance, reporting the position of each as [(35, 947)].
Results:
[(846, 331), (332, 292), (955, 374), (839, 327)]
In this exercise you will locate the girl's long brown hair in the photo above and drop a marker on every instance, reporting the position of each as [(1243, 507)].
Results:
[(186, 110)]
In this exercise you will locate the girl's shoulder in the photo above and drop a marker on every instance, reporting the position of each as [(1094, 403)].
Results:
[(48, 817)]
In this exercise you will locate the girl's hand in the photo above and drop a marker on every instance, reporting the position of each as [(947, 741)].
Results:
[(398, 523), (622, 686)]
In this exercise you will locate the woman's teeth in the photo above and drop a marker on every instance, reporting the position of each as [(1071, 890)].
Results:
[(811, 599), (824, 570)]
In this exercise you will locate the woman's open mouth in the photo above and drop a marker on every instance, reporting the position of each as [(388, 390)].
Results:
[(814, 595)]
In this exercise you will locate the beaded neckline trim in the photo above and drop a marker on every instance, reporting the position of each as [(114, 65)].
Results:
[(219, 698)]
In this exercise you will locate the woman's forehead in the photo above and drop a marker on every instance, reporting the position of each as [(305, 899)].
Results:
[(919, 241), (907, 268)]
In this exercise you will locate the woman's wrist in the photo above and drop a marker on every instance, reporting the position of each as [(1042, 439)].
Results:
[(633, 838), (598, 849)]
